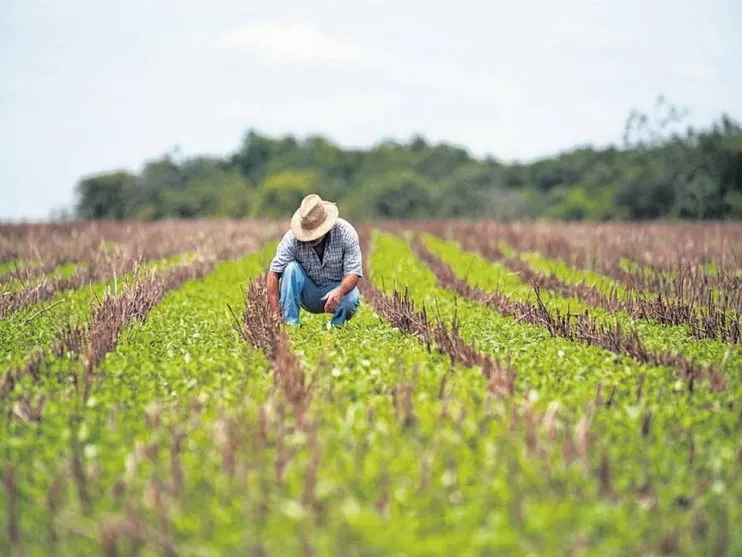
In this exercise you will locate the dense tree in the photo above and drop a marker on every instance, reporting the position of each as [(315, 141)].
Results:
[(106, 196), (396, 196), (663, 169), (281, 193), (470, 190)]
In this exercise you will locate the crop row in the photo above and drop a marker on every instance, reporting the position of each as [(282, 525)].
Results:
[(89, 447), (711, 318), (612, 248), (567, 318), (207, 433), (601, 258), (614, 450), (125, 258), (29, 251), (85, 325), (639, 409), (656, 336)]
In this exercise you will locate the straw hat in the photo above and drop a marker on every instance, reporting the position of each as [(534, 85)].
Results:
[(313, 219)]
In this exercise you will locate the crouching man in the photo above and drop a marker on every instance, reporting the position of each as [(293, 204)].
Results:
[(317, 265)]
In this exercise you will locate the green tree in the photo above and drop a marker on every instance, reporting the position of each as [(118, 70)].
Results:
[(105, 196), (281, 194), (159, 177), (469, 192), (395, 195), (255, 153), (662, 171), (442, 161)]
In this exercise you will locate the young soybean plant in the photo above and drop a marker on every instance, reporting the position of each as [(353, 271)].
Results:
[(643, 428), (156, 397)]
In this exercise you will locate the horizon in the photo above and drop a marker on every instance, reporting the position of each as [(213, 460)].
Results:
[(175, 151)]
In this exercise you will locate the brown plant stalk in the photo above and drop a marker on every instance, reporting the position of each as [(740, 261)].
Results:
[(581, 328)]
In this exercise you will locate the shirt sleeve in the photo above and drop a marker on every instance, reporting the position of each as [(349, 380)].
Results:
[(352, 258), (285, 253)]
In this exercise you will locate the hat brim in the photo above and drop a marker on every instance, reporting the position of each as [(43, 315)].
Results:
[(310, 235)]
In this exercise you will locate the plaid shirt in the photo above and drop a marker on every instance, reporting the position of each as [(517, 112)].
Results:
[(342, 255)]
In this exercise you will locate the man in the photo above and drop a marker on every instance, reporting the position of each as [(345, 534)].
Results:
[(317, 265)]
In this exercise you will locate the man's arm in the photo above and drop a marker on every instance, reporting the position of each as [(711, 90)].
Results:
[(273, 294), (348, 284), (285, 254), (352, 269), (335, 296)]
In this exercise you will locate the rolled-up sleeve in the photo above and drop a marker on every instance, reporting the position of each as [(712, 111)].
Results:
[(352, 258), (285, 253)]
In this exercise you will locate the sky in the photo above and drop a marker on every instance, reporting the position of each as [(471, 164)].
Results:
[(93, 85)]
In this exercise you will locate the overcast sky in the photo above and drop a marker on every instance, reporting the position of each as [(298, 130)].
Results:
[(93, 85)]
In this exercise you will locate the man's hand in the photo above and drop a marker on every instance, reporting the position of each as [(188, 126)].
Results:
[(335, 296), (333, 299)]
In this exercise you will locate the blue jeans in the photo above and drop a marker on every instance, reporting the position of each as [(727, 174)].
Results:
[(298, 291)]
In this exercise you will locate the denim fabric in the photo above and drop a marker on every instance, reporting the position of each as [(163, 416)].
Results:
[(299, 292)]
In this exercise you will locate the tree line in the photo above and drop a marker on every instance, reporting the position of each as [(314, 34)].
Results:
[(661, 170)]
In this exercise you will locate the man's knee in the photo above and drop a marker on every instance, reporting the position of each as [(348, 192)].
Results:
[(293, 279), (351, 301), (293, 275), (293, 268)]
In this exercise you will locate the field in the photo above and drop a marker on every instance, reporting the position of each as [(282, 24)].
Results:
[(505, 389)]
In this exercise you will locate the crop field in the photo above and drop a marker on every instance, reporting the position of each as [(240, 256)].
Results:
[(504, 389)]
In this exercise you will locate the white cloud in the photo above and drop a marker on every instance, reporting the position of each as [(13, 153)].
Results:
[(294, 41)]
